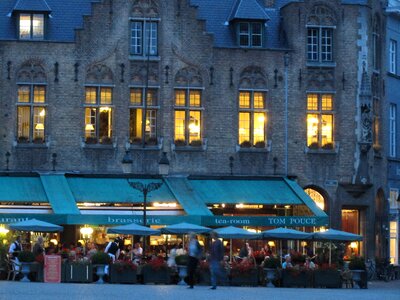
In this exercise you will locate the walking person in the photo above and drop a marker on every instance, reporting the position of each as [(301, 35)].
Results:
[(216, 259), (195, 251)]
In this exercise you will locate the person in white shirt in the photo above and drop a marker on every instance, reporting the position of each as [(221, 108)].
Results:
[(13, 251), (137, 253)]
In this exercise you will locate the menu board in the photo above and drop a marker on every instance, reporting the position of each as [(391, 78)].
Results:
[(52, 268)]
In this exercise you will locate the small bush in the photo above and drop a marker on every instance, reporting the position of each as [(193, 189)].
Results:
[(26, 256), (101, 258), (245, 144), (272, 263), (357, 263), (260, 144)]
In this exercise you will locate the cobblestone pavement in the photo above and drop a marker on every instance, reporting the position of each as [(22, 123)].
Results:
[(33, 291)]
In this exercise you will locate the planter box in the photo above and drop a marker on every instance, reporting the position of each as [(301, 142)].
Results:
[(78, 273), (204, 278), (327, 279), (297, 278), (244, 279), (122, 276), (150, 275)]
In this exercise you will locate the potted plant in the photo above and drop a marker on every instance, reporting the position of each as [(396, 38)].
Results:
[(123, 271), (105, 140), (270, 265), (313, 146), (245, 144), (357, 267), (180, 143), (151, 141), (327, 276), (260, 144), (196, 143), (137, 141), (38, 140), (78, 271), (100, 260), (244, 273), (156, 271), (328, 146), (91, 140), (23, 139), (26, 258), (181, 261)]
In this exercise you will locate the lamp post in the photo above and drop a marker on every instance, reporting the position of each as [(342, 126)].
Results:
[(145, 189)]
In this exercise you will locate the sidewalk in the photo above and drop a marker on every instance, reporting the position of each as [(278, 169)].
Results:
[(21, 291)]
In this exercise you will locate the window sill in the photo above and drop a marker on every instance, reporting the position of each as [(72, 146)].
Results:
[(146, 147), (188, 148), (321, 64), (393, 75), (99, 145), (144, 57), (267, 148), (332, 151), (31, 145)]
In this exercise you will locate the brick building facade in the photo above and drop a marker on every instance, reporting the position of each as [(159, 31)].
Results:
[(258, 88)]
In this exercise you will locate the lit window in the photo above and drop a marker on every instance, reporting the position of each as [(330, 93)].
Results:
[(250, 34), (252, 119), (319, 44), (317, 197), (144, 38), (31, 113), (320, 121), (188, 116), (31, 26), (137, 110), (98, 114)]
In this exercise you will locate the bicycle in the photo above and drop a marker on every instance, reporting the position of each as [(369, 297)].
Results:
[(371, 269), (385, 270)]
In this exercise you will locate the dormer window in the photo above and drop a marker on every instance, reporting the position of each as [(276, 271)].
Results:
[(31, 26), (250, 34)]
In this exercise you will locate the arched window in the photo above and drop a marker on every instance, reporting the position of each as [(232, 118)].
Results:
[(317, 197)]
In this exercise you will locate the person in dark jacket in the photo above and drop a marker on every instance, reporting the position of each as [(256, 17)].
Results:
[(216, 259)]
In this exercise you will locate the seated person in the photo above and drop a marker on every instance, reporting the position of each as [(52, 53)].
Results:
[(309, 264), (287, 263)]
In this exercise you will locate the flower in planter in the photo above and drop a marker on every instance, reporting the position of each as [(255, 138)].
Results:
[(271, 262), (124, 265), (196, 143), (245, 144), (259, 257), (313, 146), (91, 140), (260, 144), (357, 263), (151, 141), (327, 146), (243, 268), (181, 260), (101, 258), (157, 263), (179, 143), (38, 140), (26, 256), (105, 140), (23, 139)]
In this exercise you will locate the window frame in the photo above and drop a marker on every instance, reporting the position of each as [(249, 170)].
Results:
[(320, 113), (31, 28), (392, 56), (392, 129), (144, 107), (144, 38), (31, 104), (250, 34), (187, 109), (319, 46), (252, 110), (98, 105)]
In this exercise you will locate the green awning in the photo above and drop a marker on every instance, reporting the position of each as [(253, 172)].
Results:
[(187, 197), (269, 191), (58, 192), (115, 190), (22, 189)]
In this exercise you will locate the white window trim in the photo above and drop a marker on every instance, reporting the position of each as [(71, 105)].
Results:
[(393, 56), (392, 129)]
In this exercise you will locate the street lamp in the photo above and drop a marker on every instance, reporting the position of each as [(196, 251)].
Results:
[(145, 189)]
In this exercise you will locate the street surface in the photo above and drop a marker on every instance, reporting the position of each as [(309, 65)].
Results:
[(10, 290)]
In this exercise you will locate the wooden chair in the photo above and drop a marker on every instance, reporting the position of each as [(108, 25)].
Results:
[(347, 278), (14, 268)]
